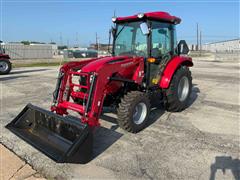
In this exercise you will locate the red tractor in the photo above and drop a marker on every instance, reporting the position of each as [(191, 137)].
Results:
[(147, 68), (5, 64)]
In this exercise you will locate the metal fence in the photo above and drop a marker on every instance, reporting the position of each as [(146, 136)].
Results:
[(20, 51), (223, 46)]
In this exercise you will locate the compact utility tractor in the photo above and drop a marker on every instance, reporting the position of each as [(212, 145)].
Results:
[(147, 68), (5, 64)]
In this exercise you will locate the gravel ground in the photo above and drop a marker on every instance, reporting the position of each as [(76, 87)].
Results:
[(195, 144)]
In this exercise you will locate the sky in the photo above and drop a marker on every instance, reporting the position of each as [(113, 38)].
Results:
[(72, 22)]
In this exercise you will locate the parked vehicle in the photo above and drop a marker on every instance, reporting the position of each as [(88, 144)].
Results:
[(5, 64)]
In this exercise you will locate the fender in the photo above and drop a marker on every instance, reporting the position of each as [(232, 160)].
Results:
[(171, 67), (4, 57)]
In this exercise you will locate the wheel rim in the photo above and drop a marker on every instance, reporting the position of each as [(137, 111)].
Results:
[(3, 66), (183, 88), (139, 113)]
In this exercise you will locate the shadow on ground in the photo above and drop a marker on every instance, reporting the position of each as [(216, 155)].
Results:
[(155, 114), (103, 139), (194, 95), (225, 163), (28, 71), (11, 78)]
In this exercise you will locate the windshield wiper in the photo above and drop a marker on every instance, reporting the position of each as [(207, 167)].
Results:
[(120, 30)]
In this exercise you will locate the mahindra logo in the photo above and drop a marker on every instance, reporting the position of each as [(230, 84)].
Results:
[(126, 64)]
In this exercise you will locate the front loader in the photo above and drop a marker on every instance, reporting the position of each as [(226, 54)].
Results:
[(147, 68)]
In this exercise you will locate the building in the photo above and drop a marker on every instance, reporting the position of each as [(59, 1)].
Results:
[(101, 47), (32, 51), (223, 46)]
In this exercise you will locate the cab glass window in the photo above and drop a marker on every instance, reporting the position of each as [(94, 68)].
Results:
[(161, 38)]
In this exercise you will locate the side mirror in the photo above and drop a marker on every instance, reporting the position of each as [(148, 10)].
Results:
[(182, 47), (144, 28)]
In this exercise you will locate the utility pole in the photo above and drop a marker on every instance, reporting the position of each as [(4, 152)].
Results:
[(97, 43), (197, 39), (200, 42), (60, 37), (68, 43), (77, 43)]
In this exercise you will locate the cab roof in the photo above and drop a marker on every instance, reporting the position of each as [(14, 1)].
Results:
[(159, 16)]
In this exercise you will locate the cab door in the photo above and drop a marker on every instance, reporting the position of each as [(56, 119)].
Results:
[(162, 48)]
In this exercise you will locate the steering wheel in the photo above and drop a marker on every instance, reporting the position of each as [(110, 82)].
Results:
[(140, 53), (134, 53), (166, 56)]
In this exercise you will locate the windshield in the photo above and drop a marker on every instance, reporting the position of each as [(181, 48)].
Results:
[(130, 40)]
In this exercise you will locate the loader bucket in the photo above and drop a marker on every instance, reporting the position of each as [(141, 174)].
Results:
[(63, 139)]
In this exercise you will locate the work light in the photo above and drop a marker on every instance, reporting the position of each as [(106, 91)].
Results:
[(114, 19), (140, 15)]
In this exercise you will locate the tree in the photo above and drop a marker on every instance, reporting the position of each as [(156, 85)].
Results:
[(62, 47), (25, 42), (36, 42)]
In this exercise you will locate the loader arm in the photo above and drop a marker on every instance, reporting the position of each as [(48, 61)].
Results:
[(128, 69), (63, 78)]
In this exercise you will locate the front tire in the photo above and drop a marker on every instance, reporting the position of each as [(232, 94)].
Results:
[(133, 111), (178, 94), (5, 66)]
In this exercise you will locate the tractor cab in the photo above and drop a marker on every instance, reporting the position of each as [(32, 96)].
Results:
[(150, 35)]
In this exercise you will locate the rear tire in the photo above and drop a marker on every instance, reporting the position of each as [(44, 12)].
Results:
[(178, 93), (133, 111), (5, 66)]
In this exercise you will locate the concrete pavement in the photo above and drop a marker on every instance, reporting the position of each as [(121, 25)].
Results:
[(12, 167), (194, 144)]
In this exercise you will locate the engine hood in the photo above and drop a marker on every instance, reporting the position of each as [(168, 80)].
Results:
[(97, 63)]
